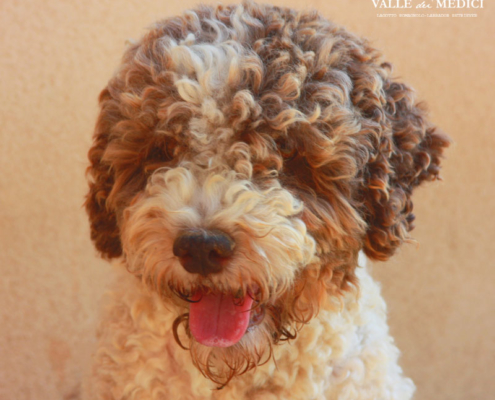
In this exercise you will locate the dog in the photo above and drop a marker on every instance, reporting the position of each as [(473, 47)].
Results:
[(246, 159)]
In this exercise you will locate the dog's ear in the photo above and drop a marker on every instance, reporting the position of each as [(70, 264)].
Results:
[(103, 218), (407, 153)]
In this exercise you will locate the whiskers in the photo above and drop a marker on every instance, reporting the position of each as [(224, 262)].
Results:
[(184, 294)]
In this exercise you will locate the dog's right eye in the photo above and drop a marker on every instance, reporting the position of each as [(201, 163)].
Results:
[(159, 155), (287, 149)]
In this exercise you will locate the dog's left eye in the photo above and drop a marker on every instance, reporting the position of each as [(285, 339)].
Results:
[(170, 148)]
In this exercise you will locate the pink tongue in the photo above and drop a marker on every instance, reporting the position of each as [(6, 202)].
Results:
[(216, 321)]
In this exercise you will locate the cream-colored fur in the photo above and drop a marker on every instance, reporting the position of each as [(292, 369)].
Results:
[(345, 353)]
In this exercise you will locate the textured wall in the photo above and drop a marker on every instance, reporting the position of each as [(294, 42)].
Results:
[(55, 58)]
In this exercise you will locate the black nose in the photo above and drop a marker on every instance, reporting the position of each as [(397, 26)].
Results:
[(203, 252)]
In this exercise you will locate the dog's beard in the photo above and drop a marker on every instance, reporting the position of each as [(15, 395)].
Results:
[(221, 364), (275, 317)]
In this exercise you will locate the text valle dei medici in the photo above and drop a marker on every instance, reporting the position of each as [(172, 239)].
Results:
[(428, 4)]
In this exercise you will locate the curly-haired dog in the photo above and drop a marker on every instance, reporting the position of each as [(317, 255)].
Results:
[(242, 159)]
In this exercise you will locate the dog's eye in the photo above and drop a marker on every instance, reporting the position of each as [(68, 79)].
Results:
[(160, 154), (287, 149), (170, 147)]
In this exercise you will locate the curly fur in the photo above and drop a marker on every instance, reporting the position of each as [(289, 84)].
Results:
[(290, 134)]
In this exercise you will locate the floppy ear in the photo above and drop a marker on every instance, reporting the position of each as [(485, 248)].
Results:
[(103, 219), (408, 153)]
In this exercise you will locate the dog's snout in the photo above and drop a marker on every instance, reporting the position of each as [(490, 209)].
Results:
[(203, 251)]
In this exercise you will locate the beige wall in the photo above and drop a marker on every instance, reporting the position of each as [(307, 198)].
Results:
[(57, 55)]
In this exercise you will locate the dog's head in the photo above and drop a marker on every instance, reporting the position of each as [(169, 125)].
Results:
[(242, 158)]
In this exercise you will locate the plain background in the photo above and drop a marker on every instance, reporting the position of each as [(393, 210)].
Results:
[(57, 55)]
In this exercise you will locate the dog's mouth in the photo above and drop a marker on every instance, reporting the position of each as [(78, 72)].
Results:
[(218, 319)]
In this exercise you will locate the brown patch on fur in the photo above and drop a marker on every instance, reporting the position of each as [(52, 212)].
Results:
[(409, 153)]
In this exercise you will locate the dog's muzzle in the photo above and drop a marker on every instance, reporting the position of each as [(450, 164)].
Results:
[(216, 318)]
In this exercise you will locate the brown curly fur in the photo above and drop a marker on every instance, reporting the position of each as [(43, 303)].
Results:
[(318, 111)]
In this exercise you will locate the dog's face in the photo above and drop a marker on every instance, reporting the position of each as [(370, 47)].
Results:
[(243, 157)]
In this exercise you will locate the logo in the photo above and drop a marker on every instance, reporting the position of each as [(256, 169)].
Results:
[(428, 4), (427, 7)]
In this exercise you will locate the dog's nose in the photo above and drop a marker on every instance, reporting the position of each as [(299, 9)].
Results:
[(202, 251)]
